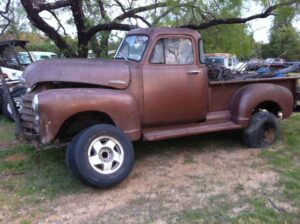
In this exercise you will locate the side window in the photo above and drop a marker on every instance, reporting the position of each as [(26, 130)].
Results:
[(157, 56), (173, 51)]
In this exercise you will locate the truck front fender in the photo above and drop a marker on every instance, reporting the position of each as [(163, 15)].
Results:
[(246, 99), (57, 105)]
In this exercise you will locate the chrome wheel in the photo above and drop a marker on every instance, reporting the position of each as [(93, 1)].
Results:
[(105, 155)]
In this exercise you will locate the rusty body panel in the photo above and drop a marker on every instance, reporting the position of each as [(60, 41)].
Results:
[(221, 93), (149, 101), (120, 106), (247, 98), (190, 89), (93, 71)]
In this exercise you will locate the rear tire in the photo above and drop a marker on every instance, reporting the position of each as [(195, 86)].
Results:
[(101, 156), (263, 130)]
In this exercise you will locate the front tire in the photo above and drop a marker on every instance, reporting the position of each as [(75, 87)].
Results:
[(101, 156), (263, 130)]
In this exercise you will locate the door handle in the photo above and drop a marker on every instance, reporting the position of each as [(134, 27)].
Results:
[(193, 72)]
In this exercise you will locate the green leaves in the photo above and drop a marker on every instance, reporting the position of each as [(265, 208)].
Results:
[(229, 39), (283, 39)]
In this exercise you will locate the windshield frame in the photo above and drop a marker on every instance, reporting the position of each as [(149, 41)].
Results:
[(132, 59)]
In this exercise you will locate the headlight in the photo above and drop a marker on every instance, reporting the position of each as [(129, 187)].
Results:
[(35, 103)]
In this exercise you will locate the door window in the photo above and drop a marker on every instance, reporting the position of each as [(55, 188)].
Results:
[(173, 51)]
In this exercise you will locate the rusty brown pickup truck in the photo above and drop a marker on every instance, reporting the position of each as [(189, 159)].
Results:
[(155, 88)]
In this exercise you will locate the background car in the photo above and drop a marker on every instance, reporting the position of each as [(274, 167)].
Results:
[(42, 55), (222, 59), (275, 62)]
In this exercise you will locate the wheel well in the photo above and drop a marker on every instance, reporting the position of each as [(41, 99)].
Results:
[(81, 121), (270, 106)]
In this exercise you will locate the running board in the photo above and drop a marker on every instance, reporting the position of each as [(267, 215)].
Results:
[(186, 130)]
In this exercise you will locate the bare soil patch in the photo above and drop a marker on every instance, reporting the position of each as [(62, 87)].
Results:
[(165, 183), (16, 157)]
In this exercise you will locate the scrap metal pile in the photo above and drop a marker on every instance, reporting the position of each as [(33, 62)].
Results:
[(245, 71)]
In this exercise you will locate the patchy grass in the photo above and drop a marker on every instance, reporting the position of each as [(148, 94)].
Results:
[(25, 181), (202, 179), (23, 174), (286, 161), (6, 129)]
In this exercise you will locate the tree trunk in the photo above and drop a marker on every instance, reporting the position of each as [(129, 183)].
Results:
[(104, 44), (83, 47)]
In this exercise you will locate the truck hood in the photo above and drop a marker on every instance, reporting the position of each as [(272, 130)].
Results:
[(110, 73)]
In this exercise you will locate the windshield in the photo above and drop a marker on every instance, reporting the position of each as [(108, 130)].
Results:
[(132, 48), (24, 58)]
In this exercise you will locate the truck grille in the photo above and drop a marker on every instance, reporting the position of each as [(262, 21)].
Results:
[(27, 114)]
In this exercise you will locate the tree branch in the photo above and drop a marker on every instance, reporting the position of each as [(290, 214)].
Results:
[(79, 17), (132, 12), (165, 13), (39, 23), (214, 22), (59, 23), (120, 5), (6, 8), (142, 19), (41, 6), (108, 27), (4, 16), (102, 10)]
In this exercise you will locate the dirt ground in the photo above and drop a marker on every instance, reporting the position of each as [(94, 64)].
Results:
[(165, 183)]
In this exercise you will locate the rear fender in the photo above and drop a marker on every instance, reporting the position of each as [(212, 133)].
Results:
[(246, 99), (56, 106)]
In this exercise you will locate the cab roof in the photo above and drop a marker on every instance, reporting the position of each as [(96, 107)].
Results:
[(153, 32)]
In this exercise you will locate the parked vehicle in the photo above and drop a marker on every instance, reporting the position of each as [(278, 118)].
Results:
[(42, 55), (222, 59), (275, 62), (156, 88), (14, 57)]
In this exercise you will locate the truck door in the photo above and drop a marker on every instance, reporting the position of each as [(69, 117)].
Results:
[(175, 83)]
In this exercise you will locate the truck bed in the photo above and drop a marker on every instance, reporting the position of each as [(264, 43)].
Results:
[(221, 92)]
